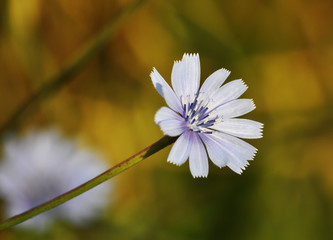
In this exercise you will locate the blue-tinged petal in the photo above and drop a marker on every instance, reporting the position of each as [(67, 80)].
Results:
[(235, 166), (165, 91), (191, 75), (243, 128), (236, 159), (214, 81), (235, 108), (177, 79), (241, 150), (181, 149), (198, 158), (173, 127), (246, 150), (215, 152), (230, 91), (165, 113)]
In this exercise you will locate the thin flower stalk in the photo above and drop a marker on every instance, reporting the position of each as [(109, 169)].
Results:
[(131, 161)]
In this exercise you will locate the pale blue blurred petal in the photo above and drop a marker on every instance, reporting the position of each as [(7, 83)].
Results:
[(48, 165)]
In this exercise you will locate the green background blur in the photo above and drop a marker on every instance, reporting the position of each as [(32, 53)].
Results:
[(283, 50)]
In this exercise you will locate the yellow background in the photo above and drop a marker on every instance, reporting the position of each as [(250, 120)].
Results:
[(283, 50)]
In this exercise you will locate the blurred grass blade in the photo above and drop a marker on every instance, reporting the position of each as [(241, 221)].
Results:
[(143, 154), (66, 74)]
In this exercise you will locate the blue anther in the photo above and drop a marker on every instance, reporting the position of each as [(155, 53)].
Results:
[(202, 117), (194, 104), (209, 123)]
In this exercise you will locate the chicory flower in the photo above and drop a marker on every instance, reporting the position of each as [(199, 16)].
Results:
[(205, 118)]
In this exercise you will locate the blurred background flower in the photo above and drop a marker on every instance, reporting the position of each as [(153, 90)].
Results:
[(43, 165), (282, 49)]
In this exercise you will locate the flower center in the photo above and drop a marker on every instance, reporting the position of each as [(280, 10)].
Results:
[(198, 116)]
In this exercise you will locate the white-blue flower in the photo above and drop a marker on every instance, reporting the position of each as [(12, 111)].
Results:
[(205, 119), (43, 165)]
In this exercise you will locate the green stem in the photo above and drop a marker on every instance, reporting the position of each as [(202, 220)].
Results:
[(66, 74), (160, 144)]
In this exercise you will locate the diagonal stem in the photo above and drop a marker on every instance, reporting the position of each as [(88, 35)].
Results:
[(143, 154), (66, 75)]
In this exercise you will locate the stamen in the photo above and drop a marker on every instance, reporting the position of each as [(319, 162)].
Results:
[(194, 104), (210, 123), (202, 117), (201, 111), (198, 116)]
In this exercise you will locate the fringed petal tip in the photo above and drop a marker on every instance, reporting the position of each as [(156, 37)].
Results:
[(193, 175), (261, 130), (200, 176), (174, 163), (190, 55), (253, 104), (152, 72), (155, 77), (226, 70), (237, 169), (244, 84), (252, 156)]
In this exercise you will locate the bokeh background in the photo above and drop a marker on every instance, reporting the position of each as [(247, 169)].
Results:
[(282, 49)]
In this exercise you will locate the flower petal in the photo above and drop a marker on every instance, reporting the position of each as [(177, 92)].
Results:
[(235, 162), (165, 91), (170, 122), (198, 158), (235, 108), (172, 127), (191, 75), (215, 152), (181, 149), (237, 151), (245, 149), (214, 81), (243, 128), (165, 113), (230, 91), (177, 80), (242, 149)]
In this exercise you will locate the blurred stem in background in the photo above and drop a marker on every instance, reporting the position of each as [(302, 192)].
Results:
[(3, 16), (67, 74), (143, 154)]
